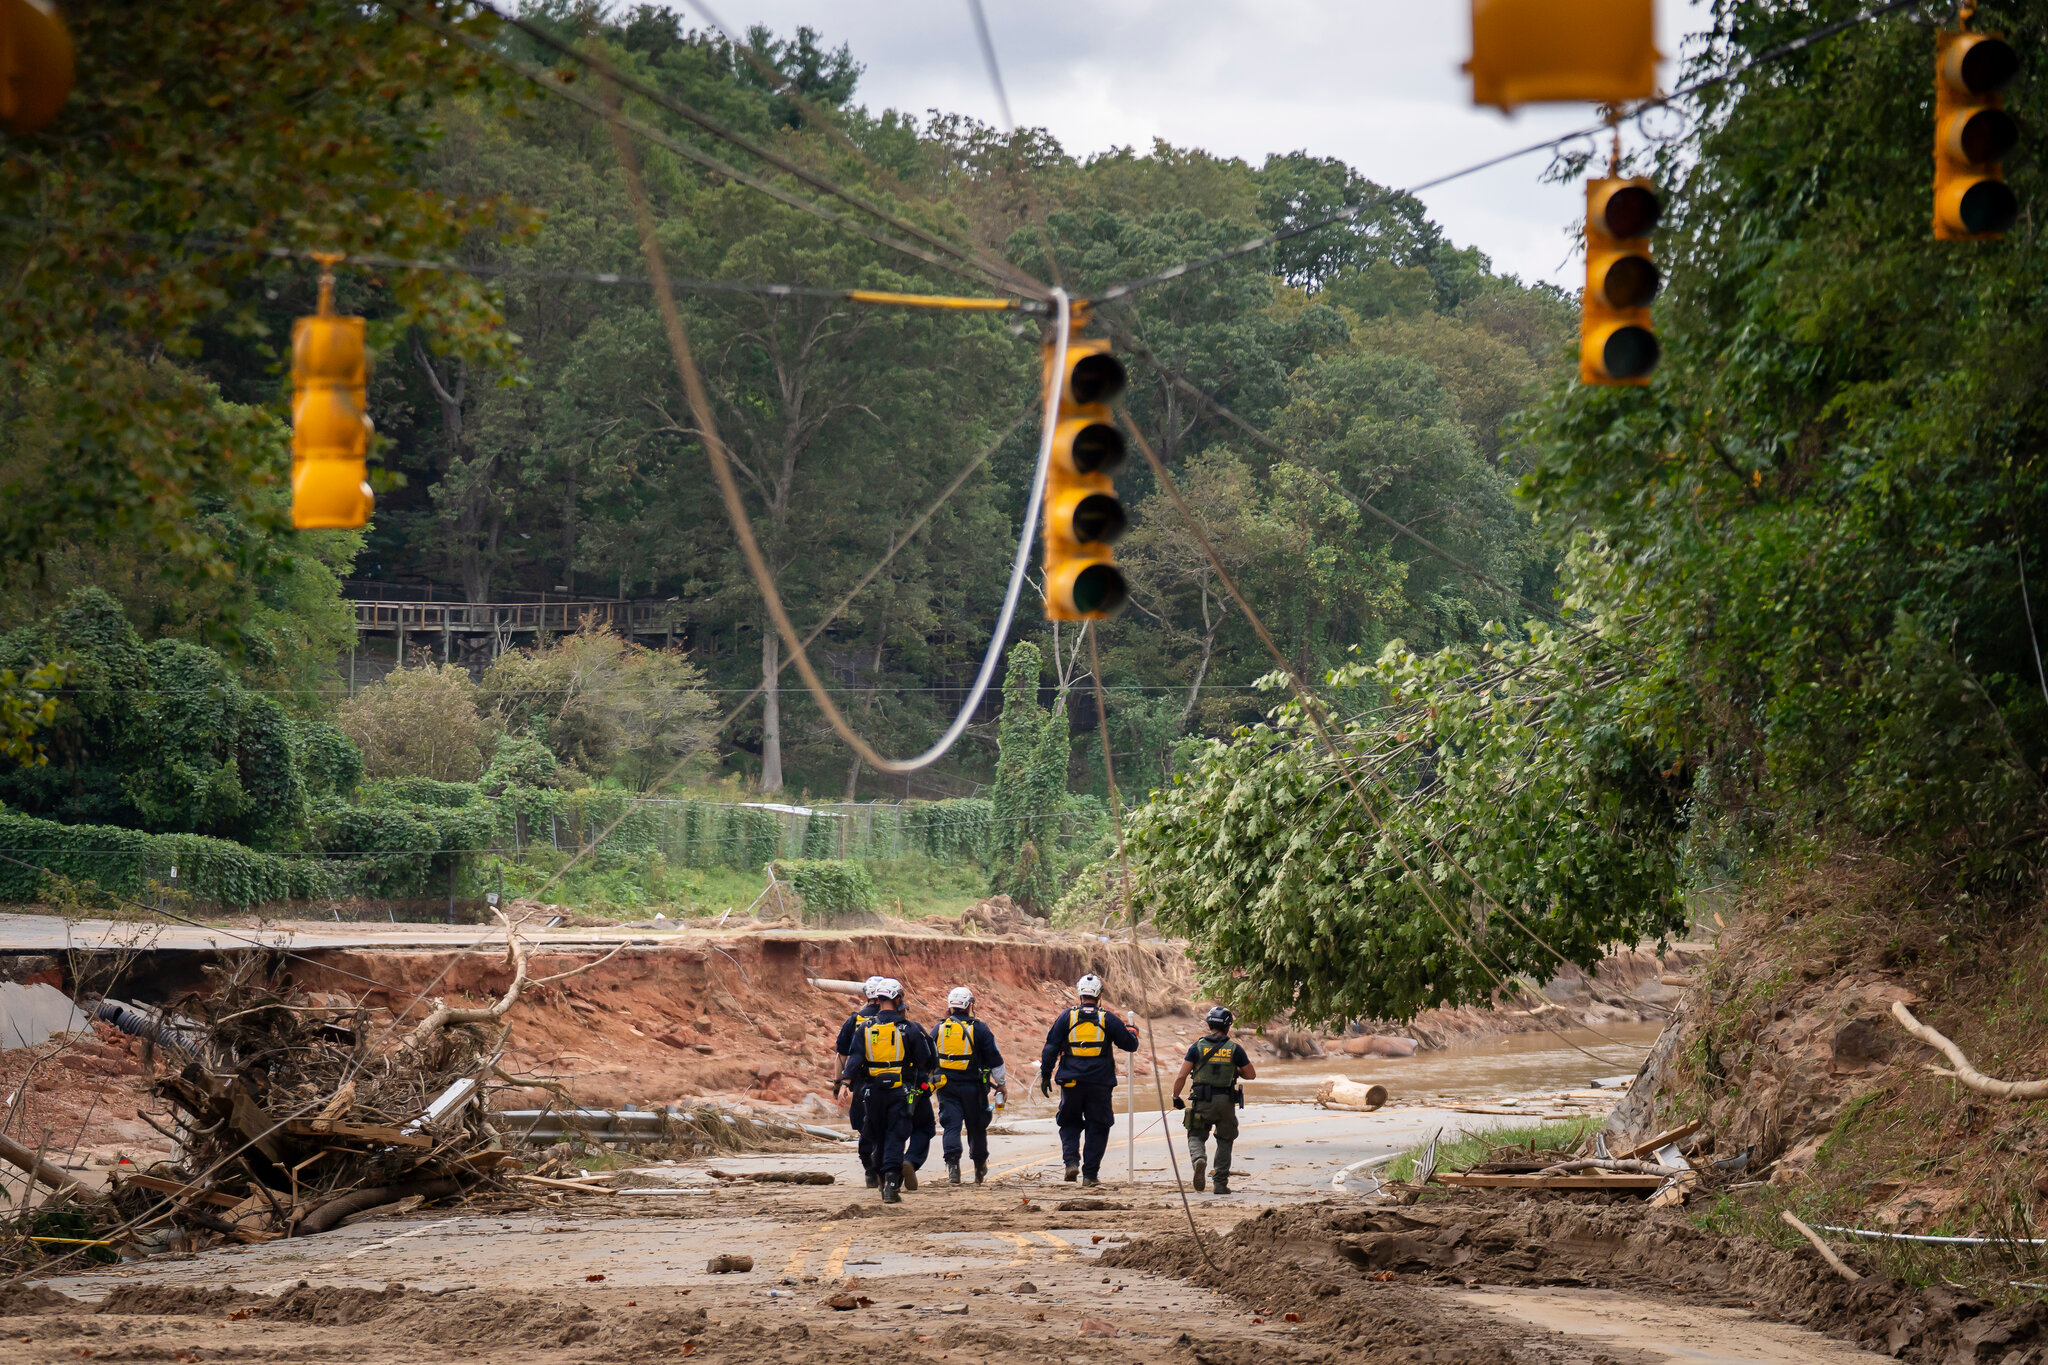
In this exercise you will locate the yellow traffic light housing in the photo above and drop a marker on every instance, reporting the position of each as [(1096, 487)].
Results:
[(1617, 344), (35, 65), (330, 427), (1536, 51), (1972, 134), (1082, 514)]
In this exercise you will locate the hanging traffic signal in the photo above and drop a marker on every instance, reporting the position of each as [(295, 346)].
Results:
[(1972, 134), (35, 65), (1532, 51), (330, 429), (1082, 514), (1616, 342)]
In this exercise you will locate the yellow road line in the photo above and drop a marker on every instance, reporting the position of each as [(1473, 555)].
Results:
[(803, 1253), (1024, 1247), (837, 1261), (1053, 1239)]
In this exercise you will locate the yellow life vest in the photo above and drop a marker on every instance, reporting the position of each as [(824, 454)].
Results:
[(882, 1048), (956, 1043), (1085, 1036)]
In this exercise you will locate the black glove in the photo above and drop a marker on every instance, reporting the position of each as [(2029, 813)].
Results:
[(838, 1086), (1045, 1086), (1179, 1103)]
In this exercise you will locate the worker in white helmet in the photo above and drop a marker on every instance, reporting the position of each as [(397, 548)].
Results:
[(969, 1064), (857, 1116), (1077, 1055)]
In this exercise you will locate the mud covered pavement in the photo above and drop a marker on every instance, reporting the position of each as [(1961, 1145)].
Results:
[(1025, 1267)]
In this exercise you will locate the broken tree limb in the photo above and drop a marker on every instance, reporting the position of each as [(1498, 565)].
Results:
[(1969, 1075), (35, 1165), (1834, 1261), (334, 1210), (443, 1014), (1598, 1164)]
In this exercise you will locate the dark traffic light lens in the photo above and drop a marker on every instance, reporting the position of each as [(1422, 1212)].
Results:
[(1099, 590), (1098, 519), (1986, 136), (1631, 211), (1097, 378), (1989, 206), (1630, 353), (1630, 282), (1097, 449), (1988, 65)]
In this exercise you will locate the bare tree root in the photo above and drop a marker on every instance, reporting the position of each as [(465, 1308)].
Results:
[(444, 1015), (1969, 1075), (1834, 1262)]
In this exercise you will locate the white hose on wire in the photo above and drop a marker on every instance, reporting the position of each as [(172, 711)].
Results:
[(1061, 320)]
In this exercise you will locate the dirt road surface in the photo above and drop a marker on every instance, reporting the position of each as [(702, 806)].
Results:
[(1025, 1267)]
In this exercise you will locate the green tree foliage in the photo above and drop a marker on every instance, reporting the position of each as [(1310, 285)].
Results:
[(424, 721), (1031, 786), (603, 705), (1796, 572), (161, 736)]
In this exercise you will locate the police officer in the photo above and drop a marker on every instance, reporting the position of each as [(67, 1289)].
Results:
[(857, 1115), (1079, 1042), (969, 1063), (889, 1053), (1216, 1064)]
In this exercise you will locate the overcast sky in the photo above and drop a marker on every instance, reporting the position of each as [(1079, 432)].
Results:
[(1375, 82)]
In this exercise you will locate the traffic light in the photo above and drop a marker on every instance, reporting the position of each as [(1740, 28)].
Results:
[(1082, 514), (1616, 342), (1532, 51), (1972, 134), (330, 430), (35, 65)]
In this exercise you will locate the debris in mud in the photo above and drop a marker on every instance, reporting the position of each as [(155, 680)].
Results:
[(847, 1302), (1088, 1206), (728, 1265)]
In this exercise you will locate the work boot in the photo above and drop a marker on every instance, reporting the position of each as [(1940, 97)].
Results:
[(1201, 1170), (952, 1172), (1089, 1182), (1073, 1174), (910, 1177), (980, 1171), (874, 1180), (1222, 1182), (889, 1193)]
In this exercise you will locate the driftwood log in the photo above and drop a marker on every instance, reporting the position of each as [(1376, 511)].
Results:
[(1969, 1075)]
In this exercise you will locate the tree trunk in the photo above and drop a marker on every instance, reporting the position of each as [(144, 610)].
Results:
[(771, 710)]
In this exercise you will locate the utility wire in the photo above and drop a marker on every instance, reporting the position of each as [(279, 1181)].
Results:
[(988, 57), (1349, 212), (1009, 276), (203, 243), (549, 81)]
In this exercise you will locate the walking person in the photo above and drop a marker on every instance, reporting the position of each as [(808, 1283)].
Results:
[(889, 1053), (969, 1063), (1077, 1055), (1216, 1064), (857, 1114)]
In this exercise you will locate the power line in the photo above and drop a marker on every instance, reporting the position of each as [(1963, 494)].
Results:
[(1349, 212)]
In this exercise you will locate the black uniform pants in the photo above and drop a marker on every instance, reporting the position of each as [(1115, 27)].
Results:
[(965, 1104), (885, 1128), (858, 1117), (1086, 1115), (923, 1126)]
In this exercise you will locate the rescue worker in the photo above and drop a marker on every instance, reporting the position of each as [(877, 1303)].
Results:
[(857, 1114), (924, 1124), (1078, 1045), (969, 1063), (889, 1052), (1216, 1064)]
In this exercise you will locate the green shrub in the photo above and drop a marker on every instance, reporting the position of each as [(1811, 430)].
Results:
[(122, 862), (829, 886)]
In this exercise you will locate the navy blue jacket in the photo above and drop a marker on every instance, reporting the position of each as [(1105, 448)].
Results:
[(986, 1056), (918, 1056), (853, 1022), (1097, 1070)]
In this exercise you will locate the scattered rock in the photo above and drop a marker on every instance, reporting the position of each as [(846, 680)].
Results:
[(1025, 1287), (953, 1308), (726, 1265), (1096, 1327), (847, 1302)]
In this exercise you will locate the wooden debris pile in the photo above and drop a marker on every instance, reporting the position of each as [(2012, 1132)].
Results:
[(293, 1113)]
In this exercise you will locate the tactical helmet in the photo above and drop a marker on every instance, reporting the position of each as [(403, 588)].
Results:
[(1219, 1017), (1089, 985), (960, 998)]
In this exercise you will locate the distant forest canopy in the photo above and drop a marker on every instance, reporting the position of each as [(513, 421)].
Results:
[(551, 451)]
